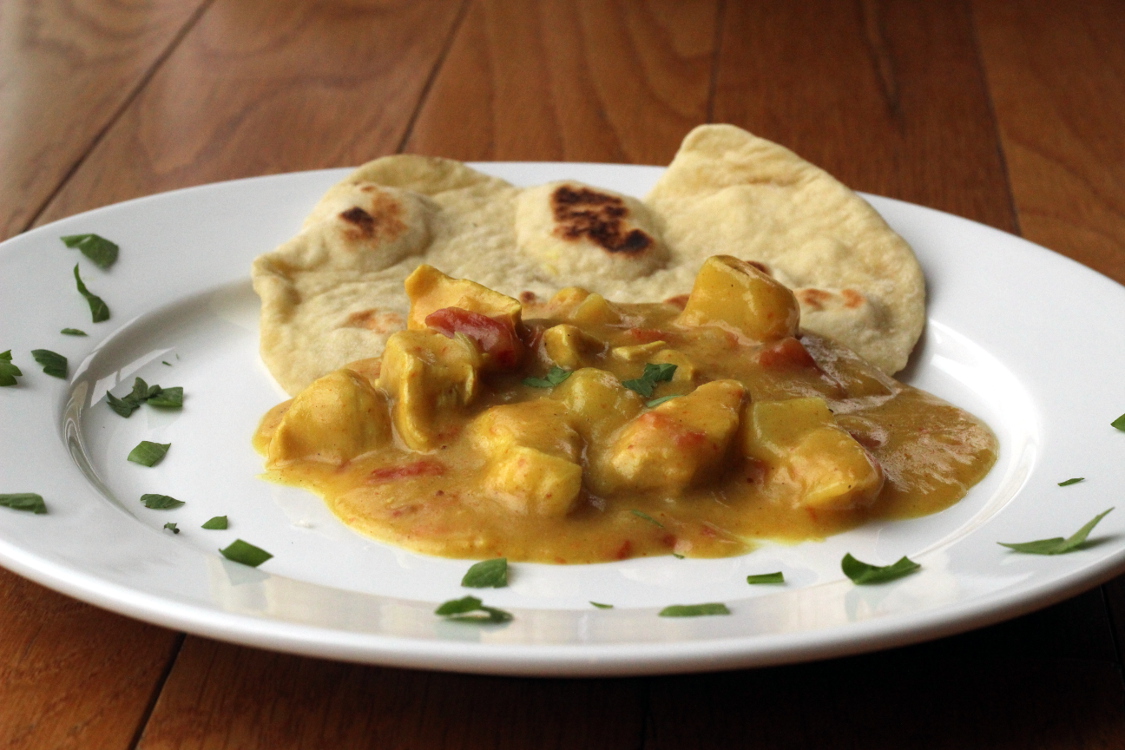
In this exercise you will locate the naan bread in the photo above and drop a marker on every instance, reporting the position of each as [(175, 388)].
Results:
[(334, 293)]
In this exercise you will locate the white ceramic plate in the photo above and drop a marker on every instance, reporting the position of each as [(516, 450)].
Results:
[(1027, 339)]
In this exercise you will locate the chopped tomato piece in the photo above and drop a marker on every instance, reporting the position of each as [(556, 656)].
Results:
[(423, 468), (494, 337), (786, 354)]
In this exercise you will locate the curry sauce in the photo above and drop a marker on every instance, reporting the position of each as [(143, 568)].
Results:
[(577, 430)]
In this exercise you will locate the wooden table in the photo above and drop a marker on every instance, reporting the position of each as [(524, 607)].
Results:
[(1012, 114)]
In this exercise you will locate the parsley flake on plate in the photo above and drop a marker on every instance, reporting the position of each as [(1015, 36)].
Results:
[(599, 605), (471, 609), (555, 376), (863, 573), (777, 577), (8, 371), (1119, 423), (154, 395), (648, 381), (487, 574), (149, 454), (52, 363), (1057, 545), (171, 526), (243, 552), (161, 502), (695, 610), (95, 247), (1068, 482), (218, 522), (28, 501), (73, 332), (99, 310)]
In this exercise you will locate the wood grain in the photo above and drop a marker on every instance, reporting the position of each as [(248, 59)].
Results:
[(887, 95), (261, 87), (223, 696), (566, 80), (1058, 79), (72, 675), (66, 69)]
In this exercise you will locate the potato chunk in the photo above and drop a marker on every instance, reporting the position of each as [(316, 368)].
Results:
[(677, 444), (431, 290), (734, 294), (532, 455), (431, 377), (802, 444), (569, 346), (598, 404), (335, 419)]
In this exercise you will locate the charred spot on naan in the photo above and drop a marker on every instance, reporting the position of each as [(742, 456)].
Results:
[(601, 218), (380, 222), (379, 321)]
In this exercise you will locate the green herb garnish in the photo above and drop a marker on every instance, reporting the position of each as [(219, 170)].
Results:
[(218, 522), (1119, 423), (165, 362), (148, 454), (167, 398), (1057, 545), (646, 517), (28, 501), (171, 526), (863, 573), (99, 310), (647, 382), (73, 332), (599, 605), (661, 400), (695, 610), (243, 552), (487, 574), (53, 364), (777, 577), (161, 502), (98, 249), (677, 555), (555, 376), (8, 371), (467, 609), (1069, 482)]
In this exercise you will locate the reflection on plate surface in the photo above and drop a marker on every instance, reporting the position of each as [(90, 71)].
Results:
[(184, 314)]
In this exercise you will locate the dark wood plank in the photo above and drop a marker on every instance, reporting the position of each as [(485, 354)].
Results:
[(258, 88), (566, 80), (66, 69), (223, 696), (886, 95), (1058, 80), (72, 675)]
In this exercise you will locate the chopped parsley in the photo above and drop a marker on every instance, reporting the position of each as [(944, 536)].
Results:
[(599, 605), (218, 522), (53, 364), (645, 516), (171, 526), (1068, 482), (487, 574), (73, 332), (1119, 423), (154, 395), (661, 400), (1057, 545), (28, 501), (96, 248), (555, 376), (653, 374), (149, 454), (695, 610), (167, 398), (777, 577), (243, 552), (161, 502), (8, 371), (863, 573), (99, 310), (471, 609)]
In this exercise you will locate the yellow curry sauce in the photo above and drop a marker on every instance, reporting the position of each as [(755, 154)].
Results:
[(531, 431)]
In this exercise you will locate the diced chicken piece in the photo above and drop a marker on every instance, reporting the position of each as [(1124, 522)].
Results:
[(569, 346), (637, 352), (677, 444), (431, 378), (595, 309), (802, 444), (598, 404), (338, 417), (431, 290), (734, 294), (532, 456)]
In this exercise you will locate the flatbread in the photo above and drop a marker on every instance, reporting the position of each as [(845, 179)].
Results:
[(334, 293)]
